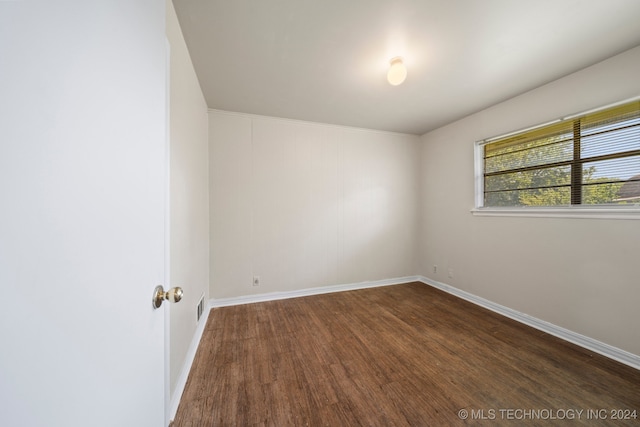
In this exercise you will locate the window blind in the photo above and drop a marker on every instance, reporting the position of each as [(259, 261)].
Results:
[(592, 159)]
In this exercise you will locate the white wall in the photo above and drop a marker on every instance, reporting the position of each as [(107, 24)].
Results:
[(189, 194), (580, 274), (304, 205)]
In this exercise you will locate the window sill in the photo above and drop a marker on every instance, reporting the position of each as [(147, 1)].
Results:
[(564, 212)]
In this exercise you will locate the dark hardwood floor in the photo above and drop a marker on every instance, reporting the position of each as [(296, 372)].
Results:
[(403, 355)]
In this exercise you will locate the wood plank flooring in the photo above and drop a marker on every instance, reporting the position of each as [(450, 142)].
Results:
[(403, 355)]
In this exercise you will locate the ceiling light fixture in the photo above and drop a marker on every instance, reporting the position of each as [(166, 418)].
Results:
[(397, 71)]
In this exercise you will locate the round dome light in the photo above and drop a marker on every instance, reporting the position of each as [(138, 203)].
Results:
[(397, 71)]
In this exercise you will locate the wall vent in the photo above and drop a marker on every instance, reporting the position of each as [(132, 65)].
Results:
[(200, 308)]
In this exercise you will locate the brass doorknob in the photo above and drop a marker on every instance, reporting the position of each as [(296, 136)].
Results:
[(172, 295)]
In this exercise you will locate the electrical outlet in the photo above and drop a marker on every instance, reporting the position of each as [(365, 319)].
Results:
[(256, 280), (451, 273), (435, 269)]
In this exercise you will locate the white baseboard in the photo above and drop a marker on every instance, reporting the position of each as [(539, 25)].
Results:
[(591, 344), (272, 296), (188, 362)]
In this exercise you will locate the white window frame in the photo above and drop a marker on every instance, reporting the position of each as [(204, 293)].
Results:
[(598, 212)]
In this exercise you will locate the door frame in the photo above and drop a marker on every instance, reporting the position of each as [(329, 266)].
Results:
[(167, 237)]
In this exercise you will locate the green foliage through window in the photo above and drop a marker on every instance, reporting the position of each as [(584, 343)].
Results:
[(593, 159)]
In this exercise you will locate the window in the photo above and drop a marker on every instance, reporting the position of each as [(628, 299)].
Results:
[(588, 160)]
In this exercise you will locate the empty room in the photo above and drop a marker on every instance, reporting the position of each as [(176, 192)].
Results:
[(320, 213)]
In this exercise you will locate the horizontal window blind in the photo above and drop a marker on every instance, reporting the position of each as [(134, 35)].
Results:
[(593, 159)]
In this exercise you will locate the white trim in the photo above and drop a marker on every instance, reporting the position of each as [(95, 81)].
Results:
[(606, 107), (558, 120), (181, 382), (486, 141), (478, 158), (167, 233), (272, 296), (631, 212), (591, 344)]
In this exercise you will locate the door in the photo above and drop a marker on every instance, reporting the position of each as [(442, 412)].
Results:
[(82, 164)]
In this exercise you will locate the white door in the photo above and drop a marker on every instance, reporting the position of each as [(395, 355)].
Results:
[(82, 163)]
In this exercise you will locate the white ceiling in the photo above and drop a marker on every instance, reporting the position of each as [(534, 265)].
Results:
[(326, 60)]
